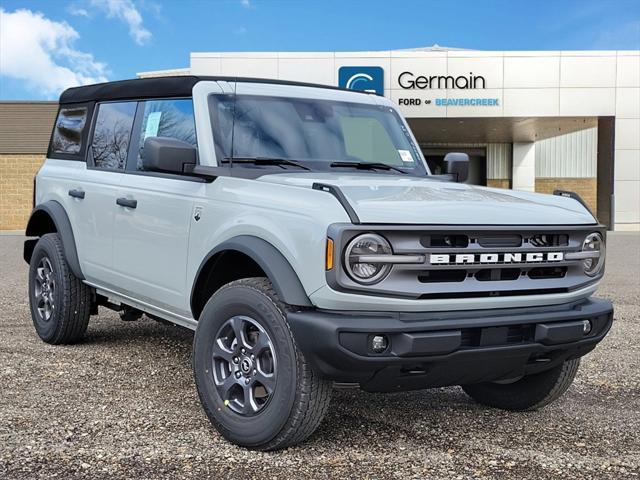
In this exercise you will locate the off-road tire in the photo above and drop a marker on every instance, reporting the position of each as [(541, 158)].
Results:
[(71, 298), (531, 392), (300, 398)]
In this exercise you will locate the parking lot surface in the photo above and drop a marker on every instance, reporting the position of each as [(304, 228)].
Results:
[(122, 404)]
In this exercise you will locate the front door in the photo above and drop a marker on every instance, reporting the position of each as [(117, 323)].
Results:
[(154, 213)]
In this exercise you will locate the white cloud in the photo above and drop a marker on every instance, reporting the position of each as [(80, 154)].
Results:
[(245, 3), (126, 11), (77, 11), (239, 31), (41, 52)]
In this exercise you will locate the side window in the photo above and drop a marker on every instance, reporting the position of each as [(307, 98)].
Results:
[(68, 131), (112, 134), (167, 118)]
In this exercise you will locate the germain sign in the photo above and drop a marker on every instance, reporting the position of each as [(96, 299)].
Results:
[(408, 80), (363, 78)]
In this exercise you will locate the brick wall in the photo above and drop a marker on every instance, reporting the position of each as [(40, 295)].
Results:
[(16, 188), (498, 183), (587, 188)]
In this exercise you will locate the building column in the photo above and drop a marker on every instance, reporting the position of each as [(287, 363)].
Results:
[(524, 166)]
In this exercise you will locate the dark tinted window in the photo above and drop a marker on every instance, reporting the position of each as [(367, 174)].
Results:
[(111, 135), (167, 118), (67, 134)]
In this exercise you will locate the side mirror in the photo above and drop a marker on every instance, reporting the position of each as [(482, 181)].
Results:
[(164, 154), (457, 165)]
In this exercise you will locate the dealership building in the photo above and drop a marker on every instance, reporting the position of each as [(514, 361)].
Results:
[(535, 121)]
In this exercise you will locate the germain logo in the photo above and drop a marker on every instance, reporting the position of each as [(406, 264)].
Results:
[(408, 81), (484, 258), (366, 79)]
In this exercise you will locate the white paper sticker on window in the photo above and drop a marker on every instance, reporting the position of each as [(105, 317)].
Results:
[(153, 124), (405, 156)]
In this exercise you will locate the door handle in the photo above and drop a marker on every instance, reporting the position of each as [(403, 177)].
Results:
[(76, 193), (127, 202)]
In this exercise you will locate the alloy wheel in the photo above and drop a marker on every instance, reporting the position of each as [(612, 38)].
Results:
[(45, 287), (244, 365)]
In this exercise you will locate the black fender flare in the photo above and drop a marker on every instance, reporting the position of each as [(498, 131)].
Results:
[(56, 212), (283, 277)]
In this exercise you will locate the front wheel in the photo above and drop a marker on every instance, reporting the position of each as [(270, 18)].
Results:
[(531, 392), (255, 385)]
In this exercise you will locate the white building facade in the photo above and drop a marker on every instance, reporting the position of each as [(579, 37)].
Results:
[(534, 121)]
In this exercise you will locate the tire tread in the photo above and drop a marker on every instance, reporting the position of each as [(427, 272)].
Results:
[(313, 394), (75, 309)]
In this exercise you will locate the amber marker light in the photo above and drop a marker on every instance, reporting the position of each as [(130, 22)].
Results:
[(329, 256)]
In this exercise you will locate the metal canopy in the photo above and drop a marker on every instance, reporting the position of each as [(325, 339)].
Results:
[(496, 129)]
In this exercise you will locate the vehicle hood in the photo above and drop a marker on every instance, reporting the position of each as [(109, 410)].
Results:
[(388, 198)]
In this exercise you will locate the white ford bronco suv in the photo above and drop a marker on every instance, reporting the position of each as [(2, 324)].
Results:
[(299, 231)]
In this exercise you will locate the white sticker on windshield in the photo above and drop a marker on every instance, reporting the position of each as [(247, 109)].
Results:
[(153, 124), (405, 156)]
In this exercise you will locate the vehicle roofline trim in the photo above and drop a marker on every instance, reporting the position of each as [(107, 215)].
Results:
[(166, 87)]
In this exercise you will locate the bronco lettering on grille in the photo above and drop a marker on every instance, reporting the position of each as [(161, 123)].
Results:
[(482, 258)]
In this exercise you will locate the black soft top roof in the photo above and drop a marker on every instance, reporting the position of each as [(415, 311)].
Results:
[(157, 87)]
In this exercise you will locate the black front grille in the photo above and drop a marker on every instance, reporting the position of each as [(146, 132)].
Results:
[(496, 241), (458, 262), (549, 240), (445, 241), (437, 276), (497, 274), (542, 273)]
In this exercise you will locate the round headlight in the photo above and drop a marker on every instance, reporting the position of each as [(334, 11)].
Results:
[(593, 244), (359, 258)]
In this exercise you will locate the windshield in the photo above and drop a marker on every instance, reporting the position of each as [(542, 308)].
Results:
[(317, 134)]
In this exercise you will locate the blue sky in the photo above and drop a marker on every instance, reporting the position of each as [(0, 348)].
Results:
[(48, 45)]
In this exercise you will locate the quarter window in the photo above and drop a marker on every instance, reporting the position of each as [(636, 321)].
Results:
[(167, 118), (68, 132), (112, 134)]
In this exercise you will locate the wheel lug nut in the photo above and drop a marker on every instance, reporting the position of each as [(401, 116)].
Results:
[(255, 371), (246, 381), (242, 350), (235, 360), (238, 374), (253, 356)]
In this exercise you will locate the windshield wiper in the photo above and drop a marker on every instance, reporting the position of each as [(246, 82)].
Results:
[(266, 161), (366, 166)]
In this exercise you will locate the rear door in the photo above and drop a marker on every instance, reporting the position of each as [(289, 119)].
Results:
[(89, 191), (106, 163), (155, 212)]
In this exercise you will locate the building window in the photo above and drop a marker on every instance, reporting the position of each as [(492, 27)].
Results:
[(111, 135), (68, 132), (167, 118)]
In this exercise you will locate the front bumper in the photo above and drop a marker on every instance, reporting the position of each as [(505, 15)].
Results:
[(447, 348)]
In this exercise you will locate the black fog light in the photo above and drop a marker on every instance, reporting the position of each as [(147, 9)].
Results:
[(586, 327), (379, 343)]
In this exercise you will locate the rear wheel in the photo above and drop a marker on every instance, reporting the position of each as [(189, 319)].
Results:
[(60, 302), (531, 392), (255, 385)]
